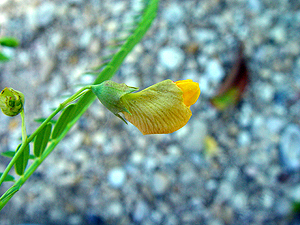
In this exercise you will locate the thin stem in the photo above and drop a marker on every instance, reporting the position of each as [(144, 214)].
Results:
[(20, 150), (11, 191), (26, 141), (77, 95), (24, 135)]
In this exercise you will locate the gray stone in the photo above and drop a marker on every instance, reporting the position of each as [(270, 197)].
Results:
[(173, 14), (244, 138), (45, 14), (204, 36), (255, 6), (194, 141), (180, 35), (160, 183), (171, 57), (214, 70), (275, 124), (264, 91), (141, 211), (115, 209), (85, 38), (278, 34), (290, 147), (116, 177)]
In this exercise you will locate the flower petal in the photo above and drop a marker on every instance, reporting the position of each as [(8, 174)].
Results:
[(158, 109), (191, 91)]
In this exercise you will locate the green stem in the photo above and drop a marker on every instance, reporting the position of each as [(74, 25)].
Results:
[(26, 141), (20, 150), (12, 190), (24, 135)]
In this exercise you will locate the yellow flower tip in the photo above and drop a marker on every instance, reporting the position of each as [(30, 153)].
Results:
[(191, 91)]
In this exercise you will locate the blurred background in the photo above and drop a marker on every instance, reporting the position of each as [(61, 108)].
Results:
[(237, 160)]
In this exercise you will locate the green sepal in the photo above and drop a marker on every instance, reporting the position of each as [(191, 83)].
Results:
[(41, 140), (9, 42), (8, 178), (21, 162), (109, 93)]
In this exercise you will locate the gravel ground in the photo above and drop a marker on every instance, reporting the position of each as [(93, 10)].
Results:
[(100, 174)]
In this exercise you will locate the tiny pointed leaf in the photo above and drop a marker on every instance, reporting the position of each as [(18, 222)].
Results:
[(22, 161), (9, 42), (8, 178), (62, 122), (41, 140)]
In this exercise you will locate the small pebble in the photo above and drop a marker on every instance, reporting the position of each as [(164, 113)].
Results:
[(214, 71), (194, 141), (160, 183), (278, 34), (204, 36), (45, 14), (290, 147), (116, 177), (171, 57), (115, 209), (141, 211), (265, 92), (244, 138), (173, 14)]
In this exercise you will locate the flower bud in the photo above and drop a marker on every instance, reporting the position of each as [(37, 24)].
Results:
[(11, 101)]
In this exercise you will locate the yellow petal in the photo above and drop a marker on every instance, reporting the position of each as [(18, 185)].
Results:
[(191, 91), (158, 109)]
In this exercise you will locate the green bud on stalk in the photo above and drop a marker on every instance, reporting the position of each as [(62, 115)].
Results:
[(11, 101)]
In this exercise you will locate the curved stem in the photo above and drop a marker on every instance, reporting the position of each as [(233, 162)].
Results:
[(24, 135), (20, 150), (26, 141)]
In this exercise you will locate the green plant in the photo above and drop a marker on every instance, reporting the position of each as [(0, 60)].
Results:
[(49, 134), (161, 108)]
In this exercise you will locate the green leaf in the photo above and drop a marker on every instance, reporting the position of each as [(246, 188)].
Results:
[(42, 119), (3, 57), (41, 140), (10, 154), (62, 122), (22, 161), (9, 42), (8, 178)]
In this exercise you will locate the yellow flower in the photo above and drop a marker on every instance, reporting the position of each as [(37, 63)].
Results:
[(161, 108)]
